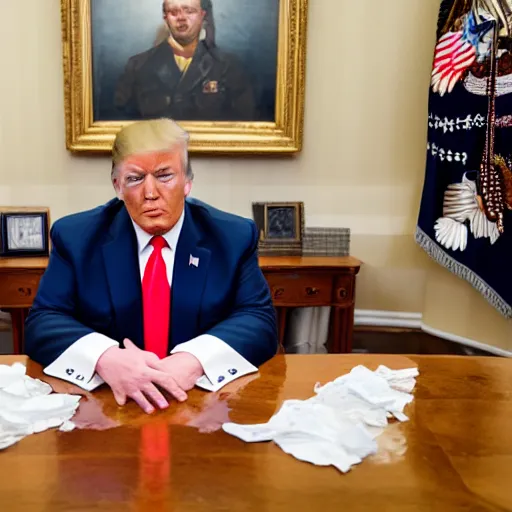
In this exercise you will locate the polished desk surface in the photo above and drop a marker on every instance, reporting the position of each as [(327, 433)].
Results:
[(308, 262), (24, 263), (454, 454), (264, 261)]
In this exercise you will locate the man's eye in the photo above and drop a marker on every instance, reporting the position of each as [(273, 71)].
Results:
[(133, 179), (165, 177)]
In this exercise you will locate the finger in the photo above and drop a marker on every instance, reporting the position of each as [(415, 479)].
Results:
[(143, 402), (155, 396), (128, 344), (158, 365), (168, 383), (151, 358), (119, 397)]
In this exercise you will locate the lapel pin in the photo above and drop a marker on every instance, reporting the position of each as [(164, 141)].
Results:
[(193, 261)]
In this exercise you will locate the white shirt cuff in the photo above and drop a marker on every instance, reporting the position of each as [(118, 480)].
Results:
[(221, 363), (77, 364)]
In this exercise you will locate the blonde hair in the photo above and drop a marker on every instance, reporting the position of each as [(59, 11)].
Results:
[(146, 136)]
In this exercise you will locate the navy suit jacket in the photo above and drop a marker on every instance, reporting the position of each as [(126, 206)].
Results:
[(92, 284)]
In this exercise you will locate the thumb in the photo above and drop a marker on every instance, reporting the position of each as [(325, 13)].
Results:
[(128, 344), (120, 397)]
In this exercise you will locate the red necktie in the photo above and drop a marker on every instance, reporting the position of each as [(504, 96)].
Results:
[(156, 300)]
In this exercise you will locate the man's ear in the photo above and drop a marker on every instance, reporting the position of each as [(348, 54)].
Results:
[(188, 187), (117, 188)]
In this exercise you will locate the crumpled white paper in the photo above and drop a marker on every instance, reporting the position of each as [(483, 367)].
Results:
[(339, 424), (28, 406)]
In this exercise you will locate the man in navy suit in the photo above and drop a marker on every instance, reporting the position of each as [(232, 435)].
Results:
[(153, 290), (186, 76)]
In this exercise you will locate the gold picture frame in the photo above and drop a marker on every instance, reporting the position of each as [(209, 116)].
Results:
[(284, 136)]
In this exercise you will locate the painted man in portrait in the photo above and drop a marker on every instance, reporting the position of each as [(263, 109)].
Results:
[(186, 77)]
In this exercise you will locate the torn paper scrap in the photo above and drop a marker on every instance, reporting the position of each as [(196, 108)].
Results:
[(28, 406), (338, 425)]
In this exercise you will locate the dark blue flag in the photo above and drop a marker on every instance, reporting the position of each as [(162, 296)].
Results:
[(465, 219)]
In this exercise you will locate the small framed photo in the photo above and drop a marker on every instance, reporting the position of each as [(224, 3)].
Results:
[(24, 232), (280, 226)]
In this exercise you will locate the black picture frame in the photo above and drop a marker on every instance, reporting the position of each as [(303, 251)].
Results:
[(10, 249), (280, 227)]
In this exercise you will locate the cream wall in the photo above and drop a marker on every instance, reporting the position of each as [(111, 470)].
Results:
[(363, 160), (453, 306)]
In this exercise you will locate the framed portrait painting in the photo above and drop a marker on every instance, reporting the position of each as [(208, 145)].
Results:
[(231, 72)]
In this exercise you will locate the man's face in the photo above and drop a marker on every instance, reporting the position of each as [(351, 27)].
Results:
[(153, 187), (184, 19)]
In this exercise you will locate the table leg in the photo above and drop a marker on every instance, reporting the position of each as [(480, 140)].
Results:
[(347, 320), (336, 342), (18, 316), (342, 330)]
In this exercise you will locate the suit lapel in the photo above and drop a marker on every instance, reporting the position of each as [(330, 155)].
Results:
[(188, 282), (120, 255), (166, 68), (198, 70)]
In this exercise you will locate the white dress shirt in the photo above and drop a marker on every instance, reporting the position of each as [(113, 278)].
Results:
[(221, 363)]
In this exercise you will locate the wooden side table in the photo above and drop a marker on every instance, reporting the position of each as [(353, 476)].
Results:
[(304, 281), (294, 282), (19, 279)]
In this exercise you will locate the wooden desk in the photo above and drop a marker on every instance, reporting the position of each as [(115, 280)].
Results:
[(454, 454), (294, 282)]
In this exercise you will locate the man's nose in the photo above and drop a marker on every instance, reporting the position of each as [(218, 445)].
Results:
[(150, 188)]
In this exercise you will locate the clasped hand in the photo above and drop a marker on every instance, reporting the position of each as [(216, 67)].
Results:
[(135, 373)]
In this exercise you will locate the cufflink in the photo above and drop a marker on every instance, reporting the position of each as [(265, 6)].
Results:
[(79, 377), (69, 371), (233, 371), (220, 379)]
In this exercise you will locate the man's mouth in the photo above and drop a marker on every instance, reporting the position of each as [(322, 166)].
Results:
[(154, 212), (182, 28)]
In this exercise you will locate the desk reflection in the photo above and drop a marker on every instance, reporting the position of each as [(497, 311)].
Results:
[(171, 460), (154, 476)]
